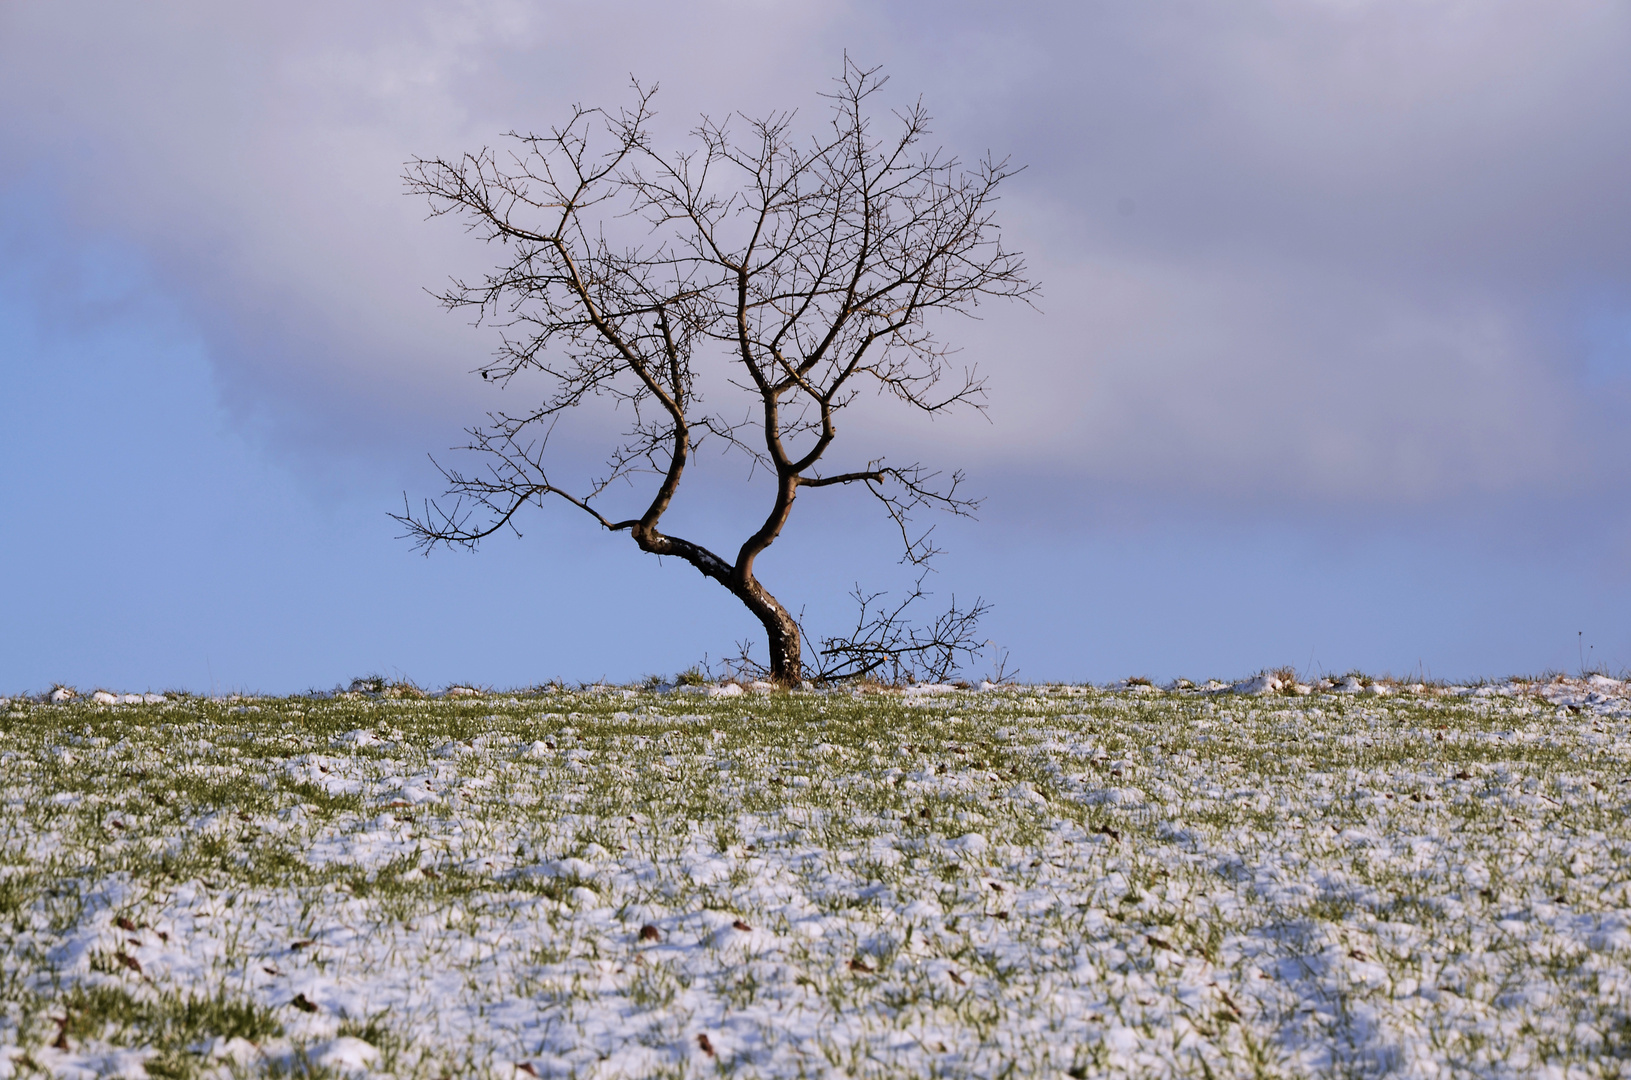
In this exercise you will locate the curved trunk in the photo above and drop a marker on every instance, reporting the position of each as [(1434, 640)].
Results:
[(781, 630), (781, 633)]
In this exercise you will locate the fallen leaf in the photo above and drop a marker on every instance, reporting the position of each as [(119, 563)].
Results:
[(1357, 954), (740, 925), (303, 1003), (860, 965), (125, 924), (298, 945), (650, 933), (705, 1044), (1105, 830), (1159, 943), (526, 1067), (129, 961), (429, 873), (956, 978)]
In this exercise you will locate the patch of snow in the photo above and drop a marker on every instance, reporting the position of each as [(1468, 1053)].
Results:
[(102, 697), (358, 737), (1260, 684), (1116, 796), (238, 1050), (727, 690), (344, 1054)]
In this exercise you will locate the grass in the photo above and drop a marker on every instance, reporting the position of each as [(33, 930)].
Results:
[(1036, 881)]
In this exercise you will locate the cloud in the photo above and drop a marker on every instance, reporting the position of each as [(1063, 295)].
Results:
[(1311, 253)]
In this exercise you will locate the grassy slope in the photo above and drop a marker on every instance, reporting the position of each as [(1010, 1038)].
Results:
[(1154, 884)]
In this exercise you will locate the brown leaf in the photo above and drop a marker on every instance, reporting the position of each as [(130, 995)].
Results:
[(705, 1044), (303, 1003), (650, 933), (1159, 943), (1357, 955), (1105, 830), (129, 961), (125, 924), (956, 978), (298, 945), (861, 965), (526, 1067), (429, 873), (740, 925)]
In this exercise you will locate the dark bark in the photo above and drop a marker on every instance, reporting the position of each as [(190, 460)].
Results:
[(815, 271)]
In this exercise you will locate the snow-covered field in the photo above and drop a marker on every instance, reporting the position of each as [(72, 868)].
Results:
[(1024, 882)]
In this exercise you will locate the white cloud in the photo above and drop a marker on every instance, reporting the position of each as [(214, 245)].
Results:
[(1288, 250)]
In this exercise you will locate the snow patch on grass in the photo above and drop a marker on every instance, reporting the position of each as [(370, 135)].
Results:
[(1029, 881)]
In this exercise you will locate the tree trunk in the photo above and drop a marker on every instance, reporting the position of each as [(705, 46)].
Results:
[(781, 632)]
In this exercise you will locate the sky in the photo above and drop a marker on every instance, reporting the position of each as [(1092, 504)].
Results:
[(1329, 369)]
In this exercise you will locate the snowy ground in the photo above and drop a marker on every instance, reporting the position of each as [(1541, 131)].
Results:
[(1028, 882)]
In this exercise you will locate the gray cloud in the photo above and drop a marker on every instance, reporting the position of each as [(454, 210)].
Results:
[(1296, 252)]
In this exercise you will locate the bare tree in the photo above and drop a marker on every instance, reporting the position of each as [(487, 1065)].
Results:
[(803, 268)]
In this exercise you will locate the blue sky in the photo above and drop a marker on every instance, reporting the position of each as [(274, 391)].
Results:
[(1331, 366)]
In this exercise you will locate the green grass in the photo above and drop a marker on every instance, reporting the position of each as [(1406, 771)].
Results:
[(1167, 884)]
